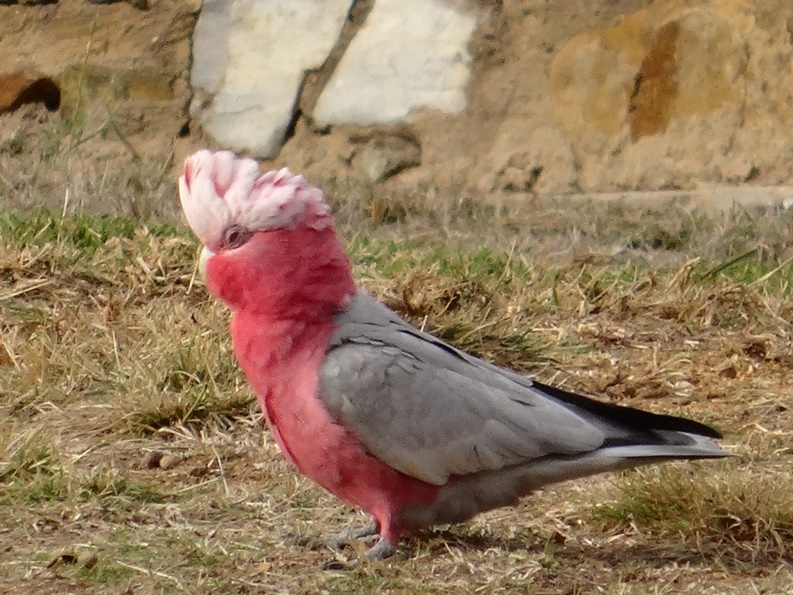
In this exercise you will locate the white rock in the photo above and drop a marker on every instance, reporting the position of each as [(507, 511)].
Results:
[(251, 56), (210, 51), (409, 54)]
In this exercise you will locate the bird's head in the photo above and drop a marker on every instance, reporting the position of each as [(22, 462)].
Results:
[(269, 239)]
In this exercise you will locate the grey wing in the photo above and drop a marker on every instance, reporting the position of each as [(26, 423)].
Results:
[(431, 411)]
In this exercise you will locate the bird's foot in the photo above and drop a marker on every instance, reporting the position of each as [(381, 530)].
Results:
[(367, 530), (363, 532), (381, 550)]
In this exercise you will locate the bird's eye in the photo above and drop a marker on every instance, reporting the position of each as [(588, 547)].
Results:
[(235, 236)]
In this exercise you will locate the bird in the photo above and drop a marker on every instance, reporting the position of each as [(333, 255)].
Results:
[(388, 418)]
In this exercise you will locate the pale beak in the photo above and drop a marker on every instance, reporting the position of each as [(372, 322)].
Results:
[(206, 254)]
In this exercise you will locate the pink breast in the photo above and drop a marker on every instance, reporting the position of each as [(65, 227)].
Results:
[(320, 448)]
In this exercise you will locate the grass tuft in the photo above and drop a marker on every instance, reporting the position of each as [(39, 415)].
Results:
[(26, 455), (736, 505)]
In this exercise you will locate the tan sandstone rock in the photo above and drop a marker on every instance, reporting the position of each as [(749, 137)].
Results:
[(679, 92)]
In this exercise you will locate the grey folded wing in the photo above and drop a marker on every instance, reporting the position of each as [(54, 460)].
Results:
[(431, 411)]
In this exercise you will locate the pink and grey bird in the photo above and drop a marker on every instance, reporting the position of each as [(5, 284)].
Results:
[(387, 417)]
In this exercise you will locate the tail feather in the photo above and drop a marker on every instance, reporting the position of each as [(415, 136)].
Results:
[(667, 443), (466, 496), (553, 469), (641, 422)]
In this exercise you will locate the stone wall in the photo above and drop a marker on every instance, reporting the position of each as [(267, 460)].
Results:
[(483, 96)]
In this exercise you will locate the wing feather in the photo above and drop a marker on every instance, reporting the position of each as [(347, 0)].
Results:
[(431, 411)]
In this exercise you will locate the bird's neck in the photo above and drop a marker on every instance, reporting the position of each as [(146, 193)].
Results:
[(284, 287)]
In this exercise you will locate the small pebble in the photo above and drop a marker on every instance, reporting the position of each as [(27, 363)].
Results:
[(153, 460)]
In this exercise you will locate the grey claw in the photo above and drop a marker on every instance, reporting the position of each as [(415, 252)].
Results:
[(358, 532), (349, 533), (381, 550)]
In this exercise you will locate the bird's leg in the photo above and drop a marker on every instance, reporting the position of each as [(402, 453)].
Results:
[(386, 545)]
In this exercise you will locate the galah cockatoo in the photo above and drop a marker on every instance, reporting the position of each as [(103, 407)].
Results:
[(387, 417)]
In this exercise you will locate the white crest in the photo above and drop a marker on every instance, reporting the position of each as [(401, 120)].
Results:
[(218, 190)]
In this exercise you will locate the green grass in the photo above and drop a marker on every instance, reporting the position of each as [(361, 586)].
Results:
[(696, 499), (108, 486), (42, 227), (112, 351)]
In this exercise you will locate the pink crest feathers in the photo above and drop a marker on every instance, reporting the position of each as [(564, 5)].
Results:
[(219, 190)]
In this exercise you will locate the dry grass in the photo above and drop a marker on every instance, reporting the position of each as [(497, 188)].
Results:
[(132, 458)]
